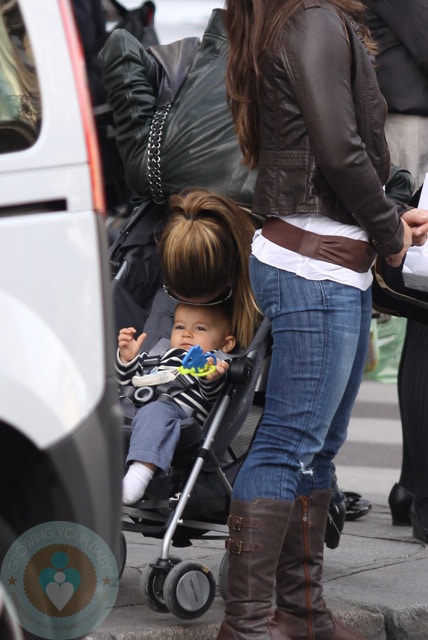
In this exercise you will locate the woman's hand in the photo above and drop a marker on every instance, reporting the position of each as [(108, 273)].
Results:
[(129, 347), (417, 219)]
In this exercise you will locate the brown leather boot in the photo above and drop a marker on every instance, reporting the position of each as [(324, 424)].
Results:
[(301, 611), (257, 531)]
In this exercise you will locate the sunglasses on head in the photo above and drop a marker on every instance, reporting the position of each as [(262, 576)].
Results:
[(224, 297)]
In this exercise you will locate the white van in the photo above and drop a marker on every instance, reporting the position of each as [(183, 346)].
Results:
[(60, 425)]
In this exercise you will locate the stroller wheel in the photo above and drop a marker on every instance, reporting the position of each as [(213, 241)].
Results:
[(189, 589), (152, 583), (222, 576)]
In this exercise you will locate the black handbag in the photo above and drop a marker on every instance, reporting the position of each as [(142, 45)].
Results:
[(135, 266), (390, 295)]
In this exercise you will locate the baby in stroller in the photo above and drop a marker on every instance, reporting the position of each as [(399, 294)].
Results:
[(224, 320), (156, 425), (191, 500)]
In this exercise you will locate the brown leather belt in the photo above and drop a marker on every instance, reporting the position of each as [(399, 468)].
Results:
[(345, 252)]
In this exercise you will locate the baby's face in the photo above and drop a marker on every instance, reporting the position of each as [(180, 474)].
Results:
[(201, 326)]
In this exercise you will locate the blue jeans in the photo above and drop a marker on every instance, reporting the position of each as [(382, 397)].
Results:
[(156, 429), (320, 332)]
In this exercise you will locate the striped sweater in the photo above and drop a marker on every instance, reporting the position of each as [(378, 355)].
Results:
[(197, 394)]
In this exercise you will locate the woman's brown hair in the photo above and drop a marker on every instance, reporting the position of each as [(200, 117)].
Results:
[(252, 26), (205, 247)]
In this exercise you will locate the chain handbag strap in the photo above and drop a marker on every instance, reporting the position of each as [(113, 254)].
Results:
[(153, 153)]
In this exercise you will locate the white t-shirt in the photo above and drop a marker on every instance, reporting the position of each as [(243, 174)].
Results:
[(310, 268)]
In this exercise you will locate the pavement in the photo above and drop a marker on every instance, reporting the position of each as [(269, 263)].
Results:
[(376, 581)]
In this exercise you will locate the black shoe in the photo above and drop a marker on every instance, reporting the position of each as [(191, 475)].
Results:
[(335, 523), (355, 506), (400, 500), (420, 531)]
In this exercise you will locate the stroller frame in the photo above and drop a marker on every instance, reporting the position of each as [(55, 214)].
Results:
[(187, 588)]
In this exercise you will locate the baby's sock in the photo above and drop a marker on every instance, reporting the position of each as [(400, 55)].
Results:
[(135, 482)]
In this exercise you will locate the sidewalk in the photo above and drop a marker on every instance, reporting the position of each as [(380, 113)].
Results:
[(376, 580)]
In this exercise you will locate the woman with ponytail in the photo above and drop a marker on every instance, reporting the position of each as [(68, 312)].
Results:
[(205, 248)]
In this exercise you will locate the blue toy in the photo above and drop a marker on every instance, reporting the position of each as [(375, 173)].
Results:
[(195, 362)]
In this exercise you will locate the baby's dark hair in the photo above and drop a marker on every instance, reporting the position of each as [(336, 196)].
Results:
[(223, 309)]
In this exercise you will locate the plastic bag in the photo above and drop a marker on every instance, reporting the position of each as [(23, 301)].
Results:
[(391, 332), (372, 359)]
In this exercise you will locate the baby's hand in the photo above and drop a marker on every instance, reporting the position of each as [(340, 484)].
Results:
[(129, 347), (220, 369)]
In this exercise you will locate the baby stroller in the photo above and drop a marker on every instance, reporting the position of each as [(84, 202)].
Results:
[(192, 501)]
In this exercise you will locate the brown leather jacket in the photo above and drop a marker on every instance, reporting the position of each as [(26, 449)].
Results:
[(322, 143)]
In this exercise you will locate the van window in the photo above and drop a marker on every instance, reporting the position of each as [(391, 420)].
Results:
[(20, 110)]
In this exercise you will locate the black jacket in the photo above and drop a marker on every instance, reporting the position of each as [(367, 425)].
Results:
[(322, 142), (400, 29), (199, 147)]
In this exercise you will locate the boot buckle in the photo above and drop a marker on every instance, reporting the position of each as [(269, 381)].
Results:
[(235, 522), (234, 546)]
